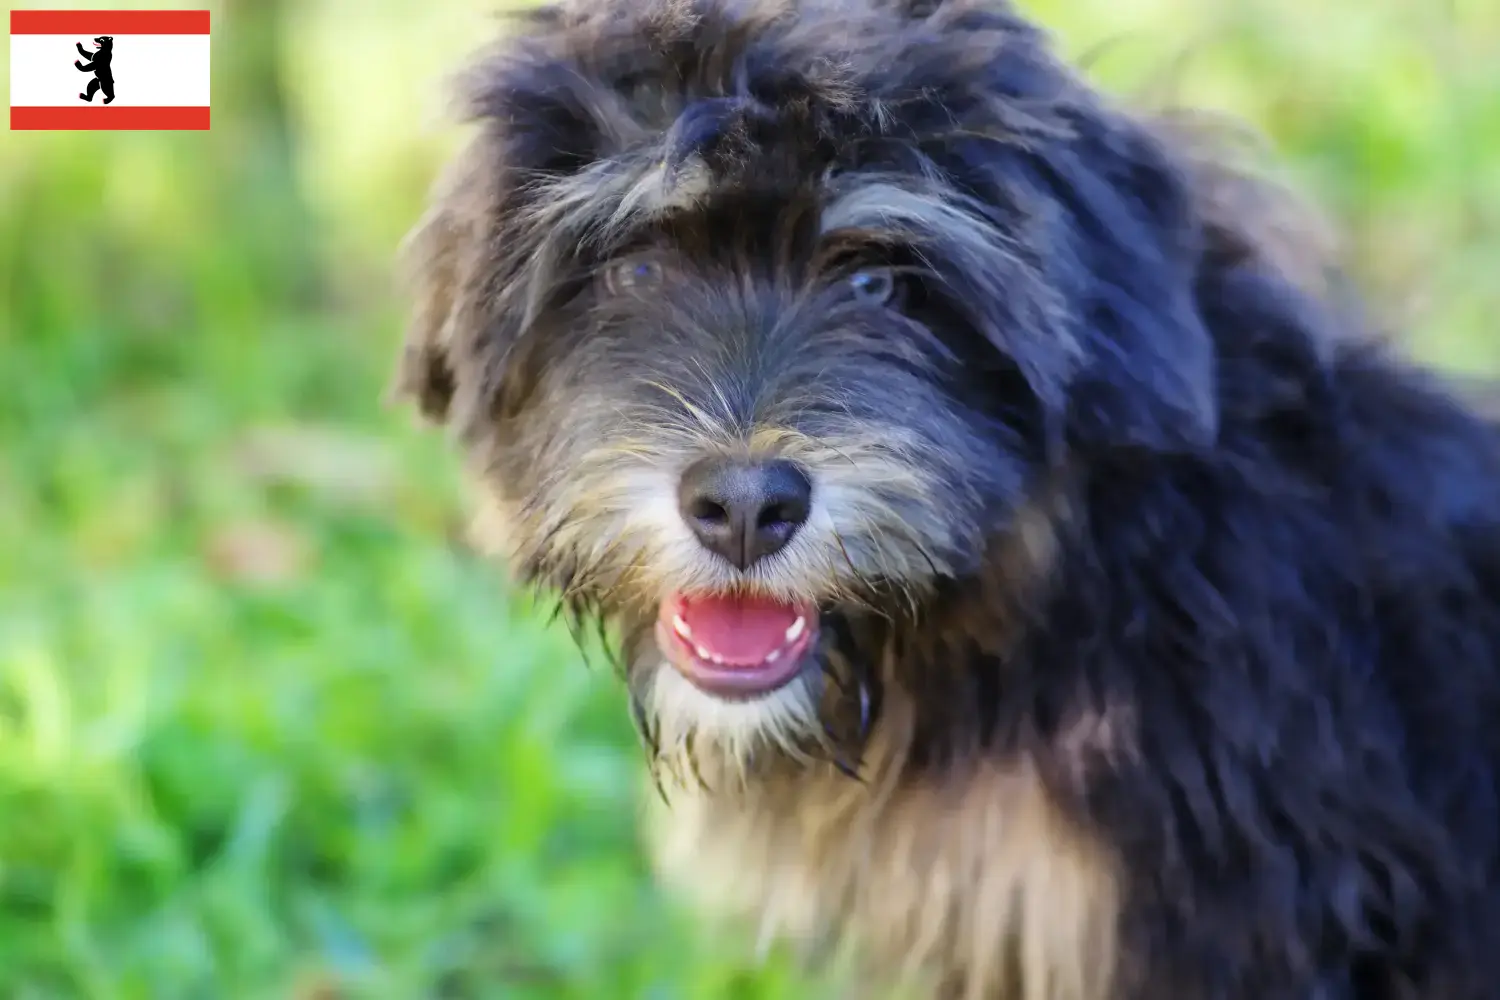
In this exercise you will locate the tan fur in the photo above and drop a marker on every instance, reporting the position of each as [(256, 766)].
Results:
[(623, 507), (971, 885)]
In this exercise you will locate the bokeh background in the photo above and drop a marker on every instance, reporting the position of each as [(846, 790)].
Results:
[(266, 728)]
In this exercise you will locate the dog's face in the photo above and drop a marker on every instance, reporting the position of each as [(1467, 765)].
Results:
[(764, 320)]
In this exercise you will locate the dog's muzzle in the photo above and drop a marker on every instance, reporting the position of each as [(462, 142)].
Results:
[(739, 645)]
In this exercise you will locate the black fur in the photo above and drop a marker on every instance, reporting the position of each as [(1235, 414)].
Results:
[(1276, 568)]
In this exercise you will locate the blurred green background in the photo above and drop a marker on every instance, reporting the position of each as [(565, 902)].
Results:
[(266, 729)]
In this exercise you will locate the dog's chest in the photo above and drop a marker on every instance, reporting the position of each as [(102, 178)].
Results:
[(979, 890)]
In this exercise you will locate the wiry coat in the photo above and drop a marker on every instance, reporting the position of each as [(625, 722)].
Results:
[(1161, 609)]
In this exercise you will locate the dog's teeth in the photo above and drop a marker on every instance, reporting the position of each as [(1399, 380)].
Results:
[(703, 653), (773, 656), (795, 632), (681, 627), (717, 658)]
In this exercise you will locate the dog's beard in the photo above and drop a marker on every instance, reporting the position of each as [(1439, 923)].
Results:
[(822, 717), (700, 738)]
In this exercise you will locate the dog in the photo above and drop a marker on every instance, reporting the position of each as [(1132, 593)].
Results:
[(1029, 576)]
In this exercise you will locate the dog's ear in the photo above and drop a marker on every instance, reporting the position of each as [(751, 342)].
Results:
[(502, 222), (1147, 374), (437, 259)]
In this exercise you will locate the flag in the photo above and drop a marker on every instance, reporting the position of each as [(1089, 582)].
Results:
[(109, 69)]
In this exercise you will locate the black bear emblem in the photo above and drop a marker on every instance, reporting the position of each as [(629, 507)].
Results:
[(104, 77)]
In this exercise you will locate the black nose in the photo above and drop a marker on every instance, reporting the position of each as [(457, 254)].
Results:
[(743, 511)]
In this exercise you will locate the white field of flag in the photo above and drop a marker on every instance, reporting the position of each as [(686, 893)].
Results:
[(155, 67)]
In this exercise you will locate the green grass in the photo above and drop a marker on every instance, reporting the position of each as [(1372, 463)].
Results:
[(265, 726)]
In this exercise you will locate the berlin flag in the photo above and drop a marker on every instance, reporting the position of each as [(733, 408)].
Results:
[(109, 69)]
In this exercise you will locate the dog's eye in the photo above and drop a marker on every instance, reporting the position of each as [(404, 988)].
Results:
[(873, 285), (629, 274)]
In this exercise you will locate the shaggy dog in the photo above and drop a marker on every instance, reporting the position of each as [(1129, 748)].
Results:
[(1023, 571)]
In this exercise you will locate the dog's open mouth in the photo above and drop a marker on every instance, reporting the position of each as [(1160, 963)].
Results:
[(735, 646)]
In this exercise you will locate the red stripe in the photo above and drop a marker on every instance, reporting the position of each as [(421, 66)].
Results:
[(101, 118), (109, 22)]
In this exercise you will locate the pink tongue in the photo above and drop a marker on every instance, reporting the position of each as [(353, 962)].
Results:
[(742, 630)]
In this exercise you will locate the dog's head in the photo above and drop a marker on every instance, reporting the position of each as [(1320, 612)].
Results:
[(760, 319)]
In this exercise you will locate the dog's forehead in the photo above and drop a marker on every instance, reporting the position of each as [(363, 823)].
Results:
[(611, 117), (618, 113), (689, 72), (708, 79)]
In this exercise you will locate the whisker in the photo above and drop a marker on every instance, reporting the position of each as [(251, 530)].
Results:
[(866, 714), (644, 726), (834, 757)]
